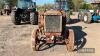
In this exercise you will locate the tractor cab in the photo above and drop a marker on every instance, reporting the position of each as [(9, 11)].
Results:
[(61, 5), (25, 4)]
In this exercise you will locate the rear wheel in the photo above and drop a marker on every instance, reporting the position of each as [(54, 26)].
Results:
[(16, 20), (70, 40), (8, 12), (33, 19), (87, 17)]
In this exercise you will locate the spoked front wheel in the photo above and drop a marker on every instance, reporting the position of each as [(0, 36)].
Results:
[(35, 40)]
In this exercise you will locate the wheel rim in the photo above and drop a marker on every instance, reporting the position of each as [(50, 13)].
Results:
[(79, 16), (85, 18), (37, 42)]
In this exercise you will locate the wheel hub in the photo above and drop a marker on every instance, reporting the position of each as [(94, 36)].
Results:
[(85, 18)]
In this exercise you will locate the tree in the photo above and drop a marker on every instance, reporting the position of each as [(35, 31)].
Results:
[(10, 2), (44, 7), (1, 4), (87, 6), (70, 4), (78, 4), (48, 6)]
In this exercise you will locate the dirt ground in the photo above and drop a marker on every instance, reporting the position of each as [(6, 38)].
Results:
[(15, 39)]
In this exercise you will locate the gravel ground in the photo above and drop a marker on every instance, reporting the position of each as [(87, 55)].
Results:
[(15, 40)]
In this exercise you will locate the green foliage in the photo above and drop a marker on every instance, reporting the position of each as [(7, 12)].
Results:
[(44, 7), (1, 4), (87, 6), (10, 2), (78, 4), (70, 4)]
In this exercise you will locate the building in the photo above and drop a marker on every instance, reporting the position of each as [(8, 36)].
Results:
[(95, 3)]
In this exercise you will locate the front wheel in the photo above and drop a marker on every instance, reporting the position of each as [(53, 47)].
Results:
[(35, 40)]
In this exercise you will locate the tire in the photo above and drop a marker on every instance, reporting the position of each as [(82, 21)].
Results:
[(8, 12), (35, 43), (1, 13), (70, 41), (33, 19), (16, 20), (87, 17), (81, 16)]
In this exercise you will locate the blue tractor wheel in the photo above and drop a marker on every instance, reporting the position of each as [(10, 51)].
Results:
[(87, 17), (81, 16)]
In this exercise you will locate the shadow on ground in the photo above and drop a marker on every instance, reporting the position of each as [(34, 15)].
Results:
[(80, 39), (73, 21)]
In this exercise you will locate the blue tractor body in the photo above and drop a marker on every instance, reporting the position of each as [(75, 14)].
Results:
[(88, 16), (24, 4), (96, 17)]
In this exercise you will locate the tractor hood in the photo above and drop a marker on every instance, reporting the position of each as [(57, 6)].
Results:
[(52, 12)]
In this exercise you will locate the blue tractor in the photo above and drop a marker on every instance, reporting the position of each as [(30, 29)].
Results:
[(89, 16), (24, 11)]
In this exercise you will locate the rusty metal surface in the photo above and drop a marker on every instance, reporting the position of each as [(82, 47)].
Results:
[(52, 12), (53, 34)]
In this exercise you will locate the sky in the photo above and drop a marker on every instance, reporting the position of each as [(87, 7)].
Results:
[(91, 0), (41, 2)]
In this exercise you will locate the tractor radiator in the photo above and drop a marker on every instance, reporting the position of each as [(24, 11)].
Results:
[(53, 23)]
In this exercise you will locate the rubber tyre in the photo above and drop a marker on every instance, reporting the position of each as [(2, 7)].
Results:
[(8, 12), (1, 13), (81, 16), (33, 19), (87, 17), (16, 20)]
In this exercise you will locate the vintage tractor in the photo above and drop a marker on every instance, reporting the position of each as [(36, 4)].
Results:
[(52, 30), (25, 11)]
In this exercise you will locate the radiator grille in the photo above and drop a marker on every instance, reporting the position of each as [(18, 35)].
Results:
[(53, 23)]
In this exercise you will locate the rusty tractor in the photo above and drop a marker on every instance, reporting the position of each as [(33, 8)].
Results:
[(52, 30)]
